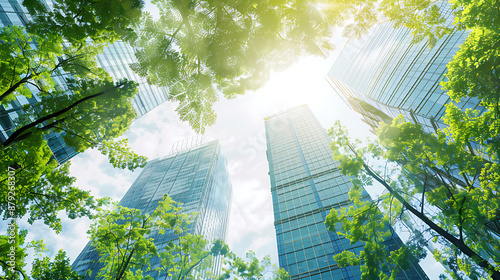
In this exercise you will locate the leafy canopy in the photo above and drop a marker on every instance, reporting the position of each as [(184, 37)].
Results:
[(200, 49), (422, 184), (121, 236), (95, 113)]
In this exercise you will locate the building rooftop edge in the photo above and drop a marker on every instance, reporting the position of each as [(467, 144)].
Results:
[(285, 111), (191, 148)]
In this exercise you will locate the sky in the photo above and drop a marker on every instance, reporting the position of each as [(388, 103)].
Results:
[(240, 129)]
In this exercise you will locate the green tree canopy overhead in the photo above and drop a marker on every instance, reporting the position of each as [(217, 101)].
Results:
[(95, 113), (201, 48), (53, 64), (88, 107), (101, 21), (28, 68), (39, 188)]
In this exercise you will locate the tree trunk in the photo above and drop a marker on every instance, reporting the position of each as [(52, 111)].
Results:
[(193, 266), (452, 239), (124, 267)]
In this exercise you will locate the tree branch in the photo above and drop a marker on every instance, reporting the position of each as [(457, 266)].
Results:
[(15, 268), (14, 87), (13, 138), (193, 266)]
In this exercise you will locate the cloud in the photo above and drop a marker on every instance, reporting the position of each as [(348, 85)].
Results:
[(94, 173), (261, 241), (251, 211)]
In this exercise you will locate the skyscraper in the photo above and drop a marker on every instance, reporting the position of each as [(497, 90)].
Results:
[(195, 176), (385, 74), (305, 184), (115, 59)]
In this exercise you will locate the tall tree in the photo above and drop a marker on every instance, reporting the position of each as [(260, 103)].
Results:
[(121, 237), (454, 212)]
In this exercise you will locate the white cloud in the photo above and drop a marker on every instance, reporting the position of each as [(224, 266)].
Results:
[(261, 241), (251, 211)]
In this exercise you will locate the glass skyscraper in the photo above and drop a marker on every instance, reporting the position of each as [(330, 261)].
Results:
[(198, 178), (305, 184), (385, 74), (115, 59)]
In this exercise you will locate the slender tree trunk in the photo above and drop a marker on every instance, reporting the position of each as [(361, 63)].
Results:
[(123, 268), (16, 135), (193, 266), (452, 239)]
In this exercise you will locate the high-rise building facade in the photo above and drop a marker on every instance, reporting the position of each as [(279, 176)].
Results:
[(115, 59), (198, 178), (306, 184), (385, 74)]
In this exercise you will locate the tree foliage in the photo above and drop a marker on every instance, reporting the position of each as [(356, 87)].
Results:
[(122, 238), (423, 182), (423, 17), (447, 180), (88, 108), (14, 250), (92, 116), (366, 223), (28, 67), (12, 260), (59, 268), (35, 186), (473, 73), (202, 48), (252, 269), (102, 21)]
